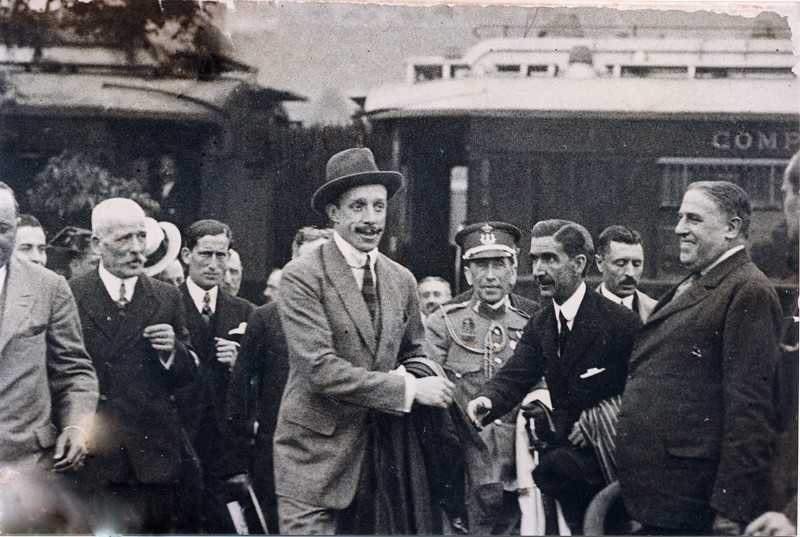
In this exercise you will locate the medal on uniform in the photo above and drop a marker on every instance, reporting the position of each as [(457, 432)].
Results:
[(468, 328)]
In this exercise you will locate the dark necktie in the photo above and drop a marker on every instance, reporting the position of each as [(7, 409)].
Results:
[(369, 292), (563, 335), (122, 301), (206, 312)]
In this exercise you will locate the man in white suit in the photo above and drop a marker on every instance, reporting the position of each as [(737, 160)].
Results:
[(620, 260), (48, 385), (351, 316)]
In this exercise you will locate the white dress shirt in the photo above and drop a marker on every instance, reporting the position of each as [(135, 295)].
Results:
[(355, 260), (3, 275), (198, 294), (627, 301), (570, 306)]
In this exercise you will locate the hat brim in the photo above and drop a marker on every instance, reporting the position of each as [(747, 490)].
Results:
[(489, 254), (166, 256), (330, 191)]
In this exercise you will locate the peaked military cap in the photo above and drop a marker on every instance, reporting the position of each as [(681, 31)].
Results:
[(488, 239)]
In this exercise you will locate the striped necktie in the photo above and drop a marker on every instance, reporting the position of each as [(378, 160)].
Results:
[(206, 312), (122, 301), (369, 292)]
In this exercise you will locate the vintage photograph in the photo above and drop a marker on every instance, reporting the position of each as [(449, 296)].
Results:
[(283, 267)]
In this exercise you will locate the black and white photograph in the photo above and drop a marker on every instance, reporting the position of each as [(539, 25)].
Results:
[(378, 268)]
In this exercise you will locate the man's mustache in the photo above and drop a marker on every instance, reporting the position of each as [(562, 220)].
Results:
[(629, 280)]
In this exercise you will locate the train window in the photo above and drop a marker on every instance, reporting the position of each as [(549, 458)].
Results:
[(508, 69), (761, 178), (427, 72), (654, 71)]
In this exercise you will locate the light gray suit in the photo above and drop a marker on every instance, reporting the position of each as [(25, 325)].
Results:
[(338, 371), (47, 381)]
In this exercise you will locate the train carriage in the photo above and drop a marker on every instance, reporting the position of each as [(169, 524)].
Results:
[(601, 131)]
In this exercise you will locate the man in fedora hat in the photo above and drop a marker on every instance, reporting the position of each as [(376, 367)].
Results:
[(351, 316)]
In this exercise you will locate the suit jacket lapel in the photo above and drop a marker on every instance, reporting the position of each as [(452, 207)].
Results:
[(390, 298), (699, 290), (138, 314), (18, 301), (341, 278), (98, 306)]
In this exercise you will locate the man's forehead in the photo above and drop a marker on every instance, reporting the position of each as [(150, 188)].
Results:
[(30, 233), (213, 242), (696, 201), (432, 285), (547, 244), (622, 249), (365, 192)]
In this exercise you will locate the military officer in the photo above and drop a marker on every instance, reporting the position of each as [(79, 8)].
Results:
[(474, 338)]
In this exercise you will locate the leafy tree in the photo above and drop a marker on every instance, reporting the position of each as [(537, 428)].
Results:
[(71, 184)]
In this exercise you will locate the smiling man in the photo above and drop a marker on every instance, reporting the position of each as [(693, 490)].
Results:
[(351, 316), (579, 342), (620, 260), (474, 339), (698, 420)]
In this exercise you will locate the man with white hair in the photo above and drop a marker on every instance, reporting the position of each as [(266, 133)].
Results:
[(135, 331), (172, 274)]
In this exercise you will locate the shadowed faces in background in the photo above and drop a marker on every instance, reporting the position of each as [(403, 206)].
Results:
[(233, 273), (31, 243), (8, 225), (359, 216), (621, 267), (173, 274), (433, 292)]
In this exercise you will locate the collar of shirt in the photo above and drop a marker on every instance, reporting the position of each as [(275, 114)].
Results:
[(504, 302), (721, 258), (570, 306), (627, 301), (356, 258), (113, 283), (198, 293), (3, 274)]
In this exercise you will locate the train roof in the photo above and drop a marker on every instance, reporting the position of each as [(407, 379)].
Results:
[(593, 97), (128, 96)]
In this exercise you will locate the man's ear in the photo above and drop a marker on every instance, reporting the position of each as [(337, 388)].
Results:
[(185, 253), (734, 228), (580, 261), (332, 210), (95, 242), (598, 261), (468, 276)]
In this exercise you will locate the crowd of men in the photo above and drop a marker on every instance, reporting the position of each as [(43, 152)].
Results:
[(145, 396)]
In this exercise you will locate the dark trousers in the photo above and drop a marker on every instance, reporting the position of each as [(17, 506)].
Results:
[(135, 508), (572, 476)]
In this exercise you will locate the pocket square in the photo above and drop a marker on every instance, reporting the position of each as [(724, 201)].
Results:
[(239, 330), (592, 371)]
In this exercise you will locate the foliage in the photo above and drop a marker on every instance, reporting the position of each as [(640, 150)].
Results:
[(179, 34), (65, 191)]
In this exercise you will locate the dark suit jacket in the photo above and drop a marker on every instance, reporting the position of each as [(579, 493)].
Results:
[(698, 419), (601, 337), (339, 371), (138, 431), (203, 402), (48, 381)]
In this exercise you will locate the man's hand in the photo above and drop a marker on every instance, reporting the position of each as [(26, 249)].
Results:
[(725, 526), (433, 391), (478, 409), (576, 436), (161, 337), (771, 523), (227, 351), (70, 449)]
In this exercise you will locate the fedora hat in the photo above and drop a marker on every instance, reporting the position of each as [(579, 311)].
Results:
[(351, 168), (162, 246)]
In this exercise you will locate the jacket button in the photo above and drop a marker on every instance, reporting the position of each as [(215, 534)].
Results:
[(172, 398), (459, 375), (498, 422)]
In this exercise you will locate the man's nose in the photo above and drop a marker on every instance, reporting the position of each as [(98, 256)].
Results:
[(537, 268), (630, 270), (680, 227), (138, 244)]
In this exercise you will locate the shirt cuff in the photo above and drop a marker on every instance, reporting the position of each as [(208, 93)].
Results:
[(168, 362), (410, 387)]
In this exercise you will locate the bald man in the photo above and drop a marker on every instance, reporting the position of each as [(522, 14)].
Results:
[(135, 332)]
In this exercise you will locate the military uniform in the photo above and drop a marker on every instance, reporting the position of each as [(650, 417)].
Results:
[(472, 341)]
